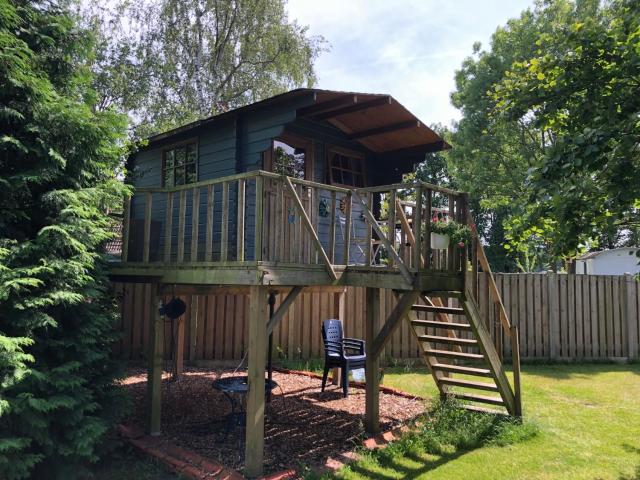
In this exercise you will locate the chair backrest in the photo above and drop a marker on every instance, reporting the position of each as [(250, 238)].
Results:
[(332, 337)]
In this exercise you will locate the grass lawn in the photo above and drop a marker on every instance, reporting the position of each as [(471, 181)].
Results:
[(589, 428)]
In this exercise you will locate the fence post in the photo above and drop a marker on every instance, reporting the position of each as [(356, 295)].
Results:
[(630, 317)]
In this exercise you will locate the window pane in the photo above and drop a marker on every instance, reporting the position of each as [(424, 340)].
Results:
[(179, 176), (347, 178), (337, 175), (288, 160), (180, 156), (191, 173), (168, 177), (168, 159), (359, 182), (191, 153)]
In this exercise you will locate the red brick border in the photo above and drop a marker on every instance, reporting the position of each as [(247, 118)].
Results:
[(197, 467)]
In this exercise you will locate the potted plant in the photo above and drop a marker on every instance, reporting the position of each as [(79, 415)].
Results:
[(445, 232)]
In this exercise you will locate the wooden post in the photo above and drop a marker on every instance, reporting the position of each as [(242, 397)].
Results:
[(628, 313), (193, 328), (168, 227), (515, 355), (182, 212), (254, 446), (208, 248), (554, 315), (154, 372), (178, 352), (347, 228), (391, 223), (339, 312), (224, 223), (240, 222), (195, 219), (257, 256), (427, 234), (417, 230), (372, 400), (332, 229)]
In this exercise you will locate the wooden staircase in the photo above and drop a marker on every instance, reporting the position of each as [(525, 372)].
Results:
[(460, 355)]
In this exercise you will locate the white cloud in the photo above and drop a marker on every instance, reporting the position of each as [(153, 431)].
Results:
[(409, 49)]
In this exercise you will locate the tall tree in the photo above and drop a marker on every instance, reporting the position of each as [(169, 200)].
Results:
[(500, 141), (581, 86), (58, 164), (168, 62)]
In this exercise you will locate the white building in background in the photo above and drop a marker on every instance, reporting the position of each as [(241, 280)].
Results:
[(617, 261)]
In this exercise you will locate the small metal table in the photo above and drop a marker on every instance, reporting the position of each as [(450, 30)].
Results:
[(239, 387)]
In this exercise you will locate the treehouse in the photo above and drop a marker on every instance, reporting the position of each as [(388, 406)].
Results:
[(304, 191)]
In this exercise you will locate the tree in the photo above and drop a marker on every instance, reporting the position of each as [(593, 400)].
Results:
[(171, 62), (58, 164), (499, 143), (581, 87)]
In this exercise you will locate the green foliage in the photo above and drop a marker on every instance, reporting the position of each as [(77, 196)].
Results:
[(58, 165), (547, 138), (580, 86), (171, 62), (459, 234)]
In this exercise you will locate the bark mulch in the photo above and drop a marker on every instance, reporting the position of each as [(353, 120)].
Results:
[(303, 426)]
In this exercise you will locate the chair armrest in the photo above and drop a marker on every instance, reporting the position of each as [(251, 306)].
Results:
[(354, 344)]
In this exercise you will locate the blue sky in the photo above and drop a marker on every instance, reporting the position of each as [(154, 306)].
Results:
[(407, 48)]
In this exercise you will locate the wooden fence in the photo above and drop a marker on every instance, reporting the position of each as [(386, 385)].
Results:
[(559, 317)]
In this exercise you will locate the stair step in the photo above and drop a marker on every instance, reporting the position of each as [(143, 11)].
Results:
[(492, 411), (455, 341), (445, 325), (457, 355), (445, 367), (460, 382), (438, 309), (474, 397)]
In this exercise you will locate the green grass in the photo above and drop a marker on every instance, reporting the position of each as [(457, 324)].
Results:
[(581, 422)]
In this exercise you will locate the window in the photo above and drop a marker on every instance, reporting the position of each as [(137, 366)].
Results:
[(179, 165), (346, 169), (288, 160)]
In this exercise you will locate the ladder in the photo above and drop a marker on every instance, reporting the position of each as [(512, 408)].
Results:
[(461, 356)]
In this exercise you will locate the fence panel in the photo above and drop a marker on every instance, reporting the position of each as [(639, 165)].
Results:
[(559, 317)]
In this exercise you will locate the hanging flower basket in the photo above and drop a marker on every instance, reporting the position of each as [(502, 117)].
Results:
[(439, 241)]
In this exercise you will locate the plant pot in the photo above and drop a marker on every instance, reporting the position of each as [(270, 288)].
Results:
[(439, 241)]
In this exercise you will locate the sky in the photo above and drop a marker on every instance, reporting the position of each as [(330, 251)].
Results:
[(409, 49)]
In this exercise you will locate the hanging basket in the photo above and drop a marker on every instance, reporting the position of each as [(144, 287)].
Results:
[(439, 241)]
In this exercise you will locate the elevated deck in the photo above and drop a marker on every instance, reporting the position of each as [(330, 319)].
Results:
[(261, 228)]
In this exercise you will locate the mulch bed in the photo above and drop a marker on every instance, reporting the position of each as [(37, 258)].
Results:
[(303, 426)]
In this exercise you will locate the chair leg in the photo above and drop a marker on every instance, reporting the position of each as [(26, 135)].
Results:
[(324, 376), (345, 381)]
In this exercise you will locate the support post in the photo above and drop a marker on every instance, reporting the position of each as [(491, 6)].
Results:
[(254, 444), (339, 312), (372, 400), (154, 372), (193, 328), (178, 348), (628, 313), (515, 354)]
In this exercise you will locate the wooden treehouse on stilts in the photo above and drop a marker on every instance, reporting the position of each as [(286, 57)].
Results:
[(304, 191)]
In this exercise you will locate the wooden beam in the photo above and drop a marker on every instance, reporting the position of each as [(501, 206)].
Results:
[(208, 248), (430, 147), (372, 365), (182, 212), (347, 227), (254, 440), (374, 224), (328, 105), (307, 223), (493, 289), (259, 215), (178, 354), (403, 306), (376, 102), (283, 308), (154, 370), (241, 221), (393, 127), (515, 354), (224, 223), (195, 219)]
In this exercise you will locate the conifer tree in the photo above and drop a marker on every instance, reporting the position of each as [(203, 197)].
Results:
[(58, 165)]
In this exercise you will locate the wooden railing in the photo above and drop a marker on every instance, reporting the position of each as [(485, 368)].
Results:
[(479, 262), (262, 216)]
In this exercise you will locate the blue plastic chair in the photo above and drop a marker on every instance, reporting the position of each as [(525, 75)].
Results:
[(345, 353)]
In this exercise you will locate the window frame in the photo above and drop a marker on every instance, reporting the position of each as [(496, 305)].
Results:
[(183, 143), (295, 141), (332, 150)]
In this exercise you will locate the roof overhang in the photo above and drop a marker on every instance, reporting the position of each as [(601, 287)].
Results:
[(378, 122)]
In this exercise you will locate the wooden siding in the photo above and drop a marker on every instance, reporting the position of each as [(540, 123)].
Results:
[(559, 317)]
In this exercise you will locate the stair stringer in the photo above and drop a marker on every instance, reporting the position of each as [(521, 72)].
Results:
[(491, 354)]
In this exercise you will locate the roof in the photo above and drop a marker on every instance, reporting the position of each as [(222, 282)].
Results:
[(590, 255), (377, 121)]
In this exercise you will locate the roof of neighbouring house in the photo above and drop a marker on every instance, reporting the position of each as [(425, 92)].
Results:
[(377, 121), (596, 253)]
